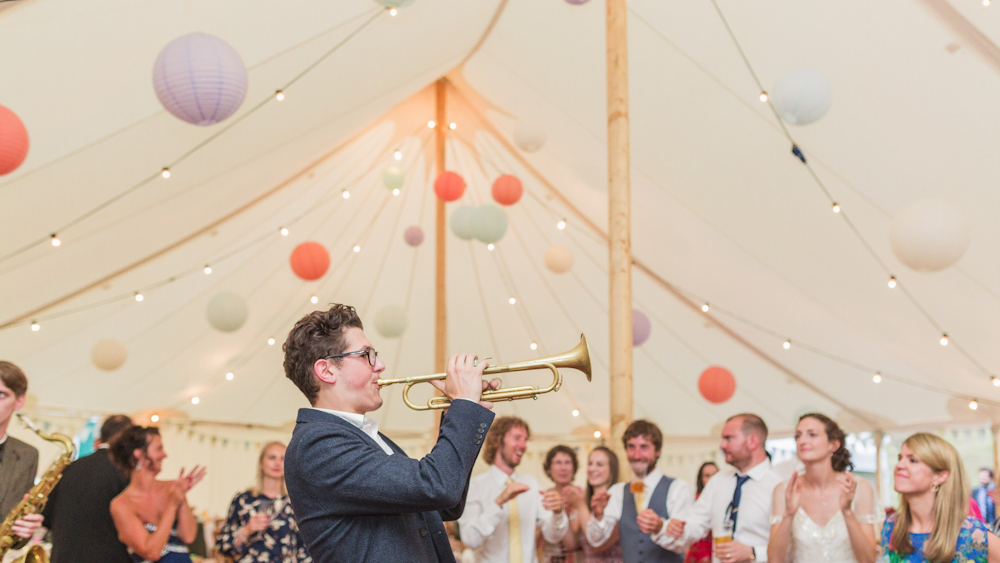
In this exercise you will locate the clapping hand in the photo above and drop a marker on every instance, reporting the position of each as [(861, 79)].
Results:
[(848, 486), (675, 528), (553, 501), (572, 496), (187, 482), (793, 494), (649, 521), (598, 503)]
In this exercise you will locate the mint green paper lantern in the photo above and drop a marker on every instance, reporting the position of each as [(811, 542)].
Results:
[(463, 222), (490, 223), (393, 177)]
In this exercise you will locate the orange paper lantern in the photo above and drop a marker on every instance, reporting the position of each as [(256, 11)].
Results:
[(507, 190), (310, 261), (13, 141), (716, 384), (449, 186)]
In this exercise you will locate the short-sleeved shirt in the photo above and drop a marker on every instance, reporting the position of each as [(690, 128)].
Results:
[(971, 547)]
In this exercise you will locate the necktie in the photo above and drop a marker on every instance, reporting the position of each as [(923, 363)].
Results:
[(514, 529), (734, 512)]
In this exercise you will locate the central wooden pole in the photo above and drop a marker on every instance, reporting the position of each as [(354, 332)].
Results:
[(440, 270), (619, 224)]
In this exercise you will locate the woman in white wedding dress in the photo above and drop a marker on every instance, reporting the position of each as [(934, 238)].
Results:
[(826, 514)]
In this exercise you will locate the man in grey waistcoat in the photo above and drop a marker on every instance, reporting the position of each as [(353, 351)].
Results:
[(640, 509)]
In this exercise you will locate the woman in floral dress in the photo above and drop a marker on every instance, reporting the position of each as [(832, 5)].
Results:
[(261, 526)]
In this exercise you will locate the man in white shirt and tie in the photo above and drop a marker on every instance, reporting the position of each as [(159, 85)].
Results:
[(503, 507), (640, 509), (736, 503)]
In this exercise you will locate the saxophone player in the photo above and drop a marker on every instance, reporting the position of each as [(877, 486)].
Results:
[(18, 461)]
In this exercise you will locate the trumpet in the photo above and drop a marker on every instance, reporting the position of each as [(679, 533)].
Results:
[(577, 358)]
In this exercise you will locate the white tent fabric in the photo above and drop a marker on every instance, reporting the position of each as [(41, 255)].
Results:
[(721, 208)]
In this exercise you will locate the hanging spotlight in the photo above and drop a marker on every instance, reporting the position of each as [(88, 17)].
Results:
[(195, 400), (357, 249), (314, 300), (393, 12), (138, 297), (944, 339), (836, 207), (345, 194), (35, 327), (576, 412), (452, 126), (512, 300), (397, 155), (892, 282), (395, 191), (154, 418), (973, 404), (279, 95), (763, 96), (561, 224), (490, 246), (55, 240), (787, 344), (877, 378), (431, 124), (208, 269), (165, 172), (597, 433), (230, 376), (533, 346), (270, 341), (704, 308)]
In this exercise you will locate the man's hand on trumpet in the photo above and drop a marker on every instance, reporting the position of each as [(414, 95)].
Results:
[(464, 379)]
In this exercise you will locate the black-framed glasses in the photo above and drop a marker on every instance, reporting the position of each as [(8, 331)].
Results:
[(370, 352)]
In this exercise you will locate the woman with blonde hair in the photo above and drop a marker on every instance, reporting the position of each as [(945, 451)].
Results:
[(932, 523), (261, 526)]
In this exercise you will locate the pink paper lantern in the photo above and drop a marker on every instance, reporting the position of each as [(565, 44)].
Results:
[(449, 186), (716, 384), (507, 190), (310, 261), (200, 79), (413, 236), (13, 141), (640, 328)]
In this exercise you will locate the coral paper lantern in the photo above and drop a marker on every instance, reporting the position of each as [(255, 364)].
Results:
[(13, 141), (391, 321), (310, 260), (507, 190), (802, 96), (393, 178), (463, 222), (108, 355), (413, 236), (641, 328), (558, 259), (449, 186), (490, 223), (200, 79), (929, 235), (716, 384), (227, 312)]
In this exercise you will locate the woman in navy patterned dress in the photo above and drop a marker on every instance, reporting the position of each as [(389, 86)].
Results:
[(261, 526)]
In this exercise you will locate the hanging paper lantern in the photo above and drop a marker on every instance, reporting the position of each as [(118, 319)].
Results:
[(413, 236), (529, 135), (310, 260), (13, 141), (394, 3), (929, 235), (449, 186), (716, 384), (641, 328), (227, 312), (391, 321), (558, 258), (393, 178), (802, 96), (200, 79), (108, 355), (577, 2), (490, 223), (507, 190), (463, 221)]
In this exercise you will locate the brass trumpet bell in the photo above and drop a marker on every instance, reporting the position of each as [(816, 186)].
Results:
[(577, 358)]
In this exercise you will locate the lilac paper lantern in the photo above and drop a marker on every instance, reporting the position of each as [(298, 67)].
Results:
[(413, 236), (577, 2), (200, 79), (640, 328)]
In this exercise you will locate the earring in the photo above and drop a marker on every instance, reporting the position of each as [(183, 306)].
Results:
[(935, 487), (138, 465)]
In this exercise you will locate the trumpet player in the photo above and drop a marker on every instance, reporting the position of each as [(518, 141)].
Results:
[(356, 495), (18, 461)]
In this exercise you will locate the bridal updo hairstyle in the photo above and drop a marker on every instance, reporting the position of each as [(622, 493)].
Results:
[(841, 459)]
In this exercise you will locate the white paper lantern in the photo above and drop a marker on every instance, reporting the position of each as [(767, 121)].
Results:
[(200, 79), (227, 312), (929, 235), (108, 355), (462, 222), (391, 321), (395, 3), (802, 96), (529, 135), (490, 223), (558, 258), (393, 178)]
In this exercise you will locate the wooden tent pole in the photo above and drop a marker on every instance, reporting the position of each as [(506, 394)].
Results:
[(619, 225), (440, 271), (879, 470)]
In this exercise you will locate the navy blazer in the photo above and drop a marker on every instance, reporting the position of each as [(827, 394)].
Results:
[(353, 502)]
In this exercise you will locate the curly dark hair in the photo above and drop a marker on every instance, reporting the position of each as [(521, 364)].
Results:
[(841, 459), (499, 429), (646, 429), (564, 449), (318, 335), (131, 439)]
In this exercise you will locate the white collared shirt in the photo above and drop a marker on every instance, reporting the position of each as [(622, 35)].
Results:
[(367, 425), (484, 524), (753, 526), (679, 499)]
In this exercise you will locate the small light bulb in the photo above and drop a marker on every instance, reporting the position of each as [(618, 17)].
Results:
[(270, 341), (393, 12), (165, 172), (279, 95), (512, 300), (138, 296), (357, 249), (452, 126), (836, 208), (576, 412), (787, 344), (208, 269), (314, 300), (561, 224), (877, 378), (154, 418), (996, 381), (892, 282), (283, 231), (195, 400), (597, 433), (397, 155), (431, 124), (763, 96), (490, 246), (944, 339), (345, 194), (704, 308), (533, 346), (35, 327), (395, 191), (986, 2), (55, 240), (230, 375), (973, 404)]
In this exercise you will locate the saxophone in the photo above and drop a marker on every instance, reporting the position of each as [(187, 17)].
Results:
[(34, 502)]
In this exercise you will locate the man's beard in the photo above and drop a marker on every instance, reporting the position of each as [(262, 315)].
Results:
[(507, 459), (647, 468)]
